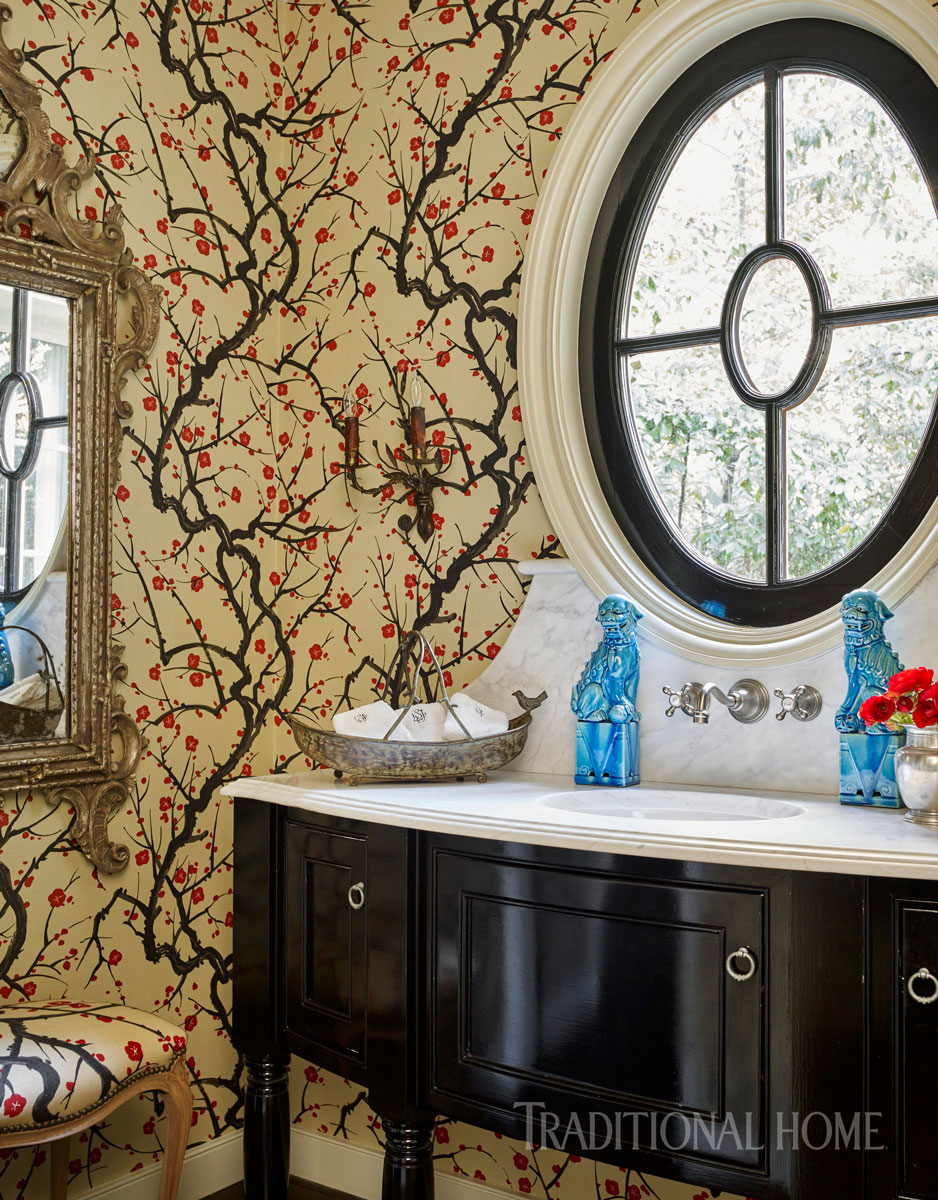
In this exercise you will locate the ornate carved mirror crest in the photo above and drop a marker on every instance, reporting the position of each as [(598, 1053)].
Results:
[(75, 316)]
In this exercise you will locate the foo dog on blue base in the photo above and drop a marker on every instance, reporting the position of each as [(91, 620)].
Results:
[(867, 757), (604, 701)]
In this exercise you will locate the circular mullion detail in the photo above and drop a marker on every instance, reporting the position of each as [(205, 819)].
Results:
[(34, 434), (815, 360)]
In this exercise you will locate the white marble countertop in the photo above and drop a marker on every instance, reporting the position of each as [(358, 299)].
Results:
[(818, 834)]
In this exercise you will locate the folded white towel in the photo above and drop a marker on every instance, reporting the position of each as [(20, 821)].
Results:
[(424, 722), (479, 719), (370, 721)]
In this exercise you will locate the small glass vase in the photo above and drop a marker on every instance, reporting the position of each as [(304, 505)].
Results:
[(917, 775)]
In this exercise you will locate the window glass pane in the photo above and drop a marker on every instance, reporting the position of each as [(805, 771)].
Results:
[(15, 430), (47, 353), (44, 496), (710, 214), (854, 196), (852, 442), (6, 329), (705, 452), (775, 326)]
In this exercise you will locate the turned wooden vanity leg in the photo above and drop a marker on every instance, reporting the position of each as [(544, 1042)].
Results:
[(408, 1160), (267, 1128)]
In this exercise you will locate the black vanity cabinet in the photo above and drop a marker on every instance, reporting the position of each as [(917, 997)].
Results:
[(725, 1026), (904, 1039), (555, 992)]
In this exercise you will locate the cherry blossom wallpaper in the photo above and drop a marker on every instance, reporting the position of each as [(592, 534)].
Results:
[(333, 195)]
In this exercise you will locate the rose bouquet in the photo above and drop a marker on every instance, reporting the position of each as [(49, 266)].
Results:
[(912, 699)]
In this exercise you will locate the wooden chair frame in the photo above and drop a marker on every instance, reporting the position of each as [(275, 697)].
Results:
[(174, 1084)]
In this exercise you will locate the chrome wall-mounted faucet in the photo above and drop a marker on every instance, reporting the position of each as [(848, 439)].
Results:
[(748, 700)]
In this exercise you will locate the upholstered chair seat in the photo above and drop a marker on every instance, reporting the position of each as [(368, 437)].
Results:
[(64, 1065)]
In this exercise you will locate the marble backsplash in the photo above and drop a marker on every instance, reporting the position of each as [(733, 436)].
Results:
[(556, 633)]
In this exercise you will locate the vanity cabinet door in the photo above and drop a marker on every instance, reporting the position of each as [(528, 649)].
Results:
[(553, 988), (325, 906), (904, 1041)]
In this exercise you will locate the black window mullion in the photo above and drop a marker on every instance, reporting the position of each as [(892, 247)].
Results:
[(880, 314), (774, 158), (669, 341), (776, 496), (12, 515), (776, 471)]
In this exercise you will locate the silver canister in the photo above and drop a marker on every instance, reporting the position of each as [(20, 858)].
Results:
[(917, 775)]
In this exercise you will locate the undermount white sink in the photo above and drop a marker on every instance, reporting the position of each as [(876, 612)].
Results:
[(650, 804)]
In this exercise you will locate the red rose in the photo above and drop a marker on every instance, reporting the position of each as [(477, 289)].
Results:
[(911, 680), (877, 709), (926, 713), (905, 704)]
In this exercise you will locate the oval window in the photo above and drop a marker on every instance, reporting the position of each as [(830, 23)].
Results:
[(759, 330), (35, 341)]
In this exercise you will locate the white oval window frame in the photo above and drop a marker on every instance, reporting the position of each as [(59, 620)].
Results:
[(649, 61)]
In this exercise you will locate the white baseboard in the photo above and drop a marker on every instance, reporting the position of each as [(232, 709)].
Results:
[(347, 1167), (207, 1169), (331, 1162)]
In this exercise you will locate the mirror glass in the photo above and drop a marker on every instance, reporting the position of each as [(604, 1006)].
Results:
[(12, 140), (35, 370)]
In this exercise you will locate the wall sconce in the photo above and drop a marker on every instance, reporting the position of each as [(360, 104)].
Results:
[(417, 472)]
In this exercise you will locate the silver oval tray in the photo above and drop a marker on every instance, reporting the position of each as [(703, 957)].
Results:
[(357, 760)]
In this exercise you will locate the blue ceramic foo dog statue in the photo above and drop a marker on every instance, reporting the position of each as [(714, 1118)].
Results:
[(867, 757), (604, 701)]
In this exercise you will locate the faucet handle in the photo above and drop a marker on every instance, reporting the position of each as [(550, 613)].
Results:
[(804, 703), (683, 700)]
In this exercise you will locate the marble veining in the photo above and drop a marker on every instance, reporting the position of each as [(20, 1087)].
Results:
[(556, 633)]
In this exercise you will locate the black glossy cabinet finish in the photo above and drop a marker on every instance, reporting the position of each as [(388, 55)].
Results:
[(583, 991), (493, 982), (326, 967), (904, 1041)]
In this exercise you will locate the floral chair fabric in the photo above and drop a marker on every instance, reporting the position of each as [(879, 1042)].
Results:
[(61, 1059)]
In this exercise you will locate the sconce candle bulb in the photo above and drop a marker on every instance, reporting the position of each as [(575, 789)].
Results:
[(418, 421), (351, 431)]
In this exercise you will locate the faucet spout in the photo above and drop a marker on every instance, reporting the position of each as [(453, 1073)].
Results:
[(701, 714), (748, 701)]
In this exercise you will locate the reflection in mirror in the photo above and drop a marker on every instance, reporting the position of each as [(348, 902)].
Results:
[(35, 348), (12, 140)]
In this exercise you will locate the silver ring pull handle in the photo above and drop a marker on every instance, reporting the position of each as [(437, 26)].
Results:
[(742, 953), (356, 896), (926, 976)]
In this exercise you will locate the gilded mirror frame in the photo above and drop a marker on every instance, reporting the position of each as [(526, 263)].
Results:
[(45, 246)]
